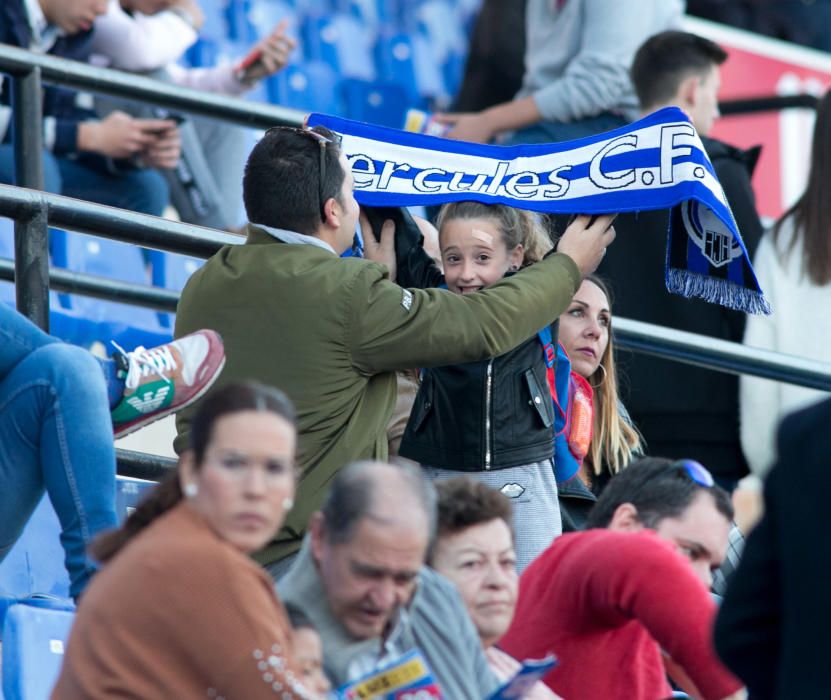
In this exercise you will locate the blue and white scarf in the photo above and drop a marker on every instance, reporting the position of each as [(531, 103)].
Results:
[(655, 163)]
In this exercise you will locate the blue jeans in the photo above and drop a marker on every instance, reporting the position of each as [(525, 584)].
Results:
[(144, 191), (554, 132), (55, 435)]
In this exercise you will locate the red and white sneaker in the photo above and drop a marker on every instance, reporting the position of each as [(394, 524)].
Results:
[(164, 379)]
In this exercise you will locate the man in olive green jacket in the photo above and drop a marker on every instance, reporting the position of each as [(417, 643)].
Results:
[(331, 332)]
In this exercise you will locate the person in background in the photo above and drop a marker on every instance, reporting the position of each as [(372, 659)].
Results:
[(772, 628), (682, 410), (179, 610), (59, 408), (635, 586), (576, 83), (307, 648), (793, 264), (150, 36), (110, 161), (360, 578), (493, 69), (586, 335), (474, 549)]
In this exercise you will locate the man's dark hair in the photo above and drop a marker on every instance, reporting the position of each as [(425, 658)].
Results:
[(658, 488), (665, 60), (281, 184), (352, 497)]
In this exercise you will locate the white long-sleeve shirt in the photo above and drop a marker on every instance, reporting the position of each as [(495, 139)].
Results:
[(800, 325), (140, 43)]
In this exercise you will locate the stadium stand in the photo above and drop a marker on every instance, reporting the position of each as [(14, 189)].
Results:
[(370, 60)]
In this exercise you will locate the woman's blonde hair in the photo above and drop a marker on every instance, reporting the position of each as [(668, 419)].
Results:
[(517, 226), (615, 440)]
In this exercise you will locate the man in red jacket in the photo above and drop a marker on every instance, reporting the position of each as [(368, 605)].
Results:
[(627, 601)]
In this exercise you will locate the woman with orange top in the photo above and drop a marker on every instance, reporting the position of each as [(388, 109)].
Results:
[(179, 610)]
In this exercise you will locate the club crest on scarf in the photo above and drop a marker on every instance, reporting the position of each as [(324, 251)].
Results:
[(707, 231), (657, 162)]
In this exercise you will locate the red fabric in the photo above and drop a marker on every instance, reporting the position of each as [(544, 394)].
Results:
[(605, 603)]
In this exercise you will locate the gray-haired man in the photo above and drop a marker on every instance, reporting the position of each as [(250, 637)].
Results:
[(360, 578)]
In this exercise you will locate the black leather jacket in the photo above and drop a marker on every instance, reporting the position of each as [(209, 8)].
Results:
[(491, 414), (483, 415)]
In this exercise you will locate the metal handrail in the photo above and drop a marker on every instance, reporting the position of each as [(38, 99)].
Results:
[(19, 62)]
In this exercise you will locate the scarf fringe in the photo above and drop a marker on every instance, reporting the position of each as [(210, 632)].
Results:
[(718, 291)]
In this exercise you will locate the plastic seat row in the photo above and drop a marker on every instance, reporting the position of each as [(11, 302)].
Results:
[(418, 46), (35, 611), (84, 320)]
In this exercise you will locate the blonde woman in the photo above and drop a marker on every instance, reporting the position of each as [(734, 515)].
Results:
[(585, 333)]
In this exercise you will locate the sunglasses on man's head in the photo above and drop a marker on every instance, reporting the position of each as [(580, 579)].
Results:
[(323, 137), (696, 471)]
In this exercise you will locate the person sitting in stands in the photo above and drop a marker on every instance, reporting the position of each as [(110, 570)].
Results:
[(59, 407), (308, 652), (135, 36), (179, 610), (474, 549), (625, 602), (585, 332), (576, 83), (360, 578), (84, 157)]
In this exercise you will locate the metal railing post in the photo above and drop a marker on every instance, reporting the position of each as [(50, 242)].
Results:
[(31, 234)]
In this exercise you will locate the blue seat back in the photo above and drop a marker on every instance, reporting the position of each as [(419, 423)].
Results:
[(36, 562), (385, 104), (34, 640), (311, 87), (128, 325)]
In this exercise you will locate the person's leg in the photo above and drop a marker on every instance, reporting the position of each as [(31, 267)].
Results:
[(213, 155), (55, 433), (144, 190), (51, 174), (553, 132), (19, 337)]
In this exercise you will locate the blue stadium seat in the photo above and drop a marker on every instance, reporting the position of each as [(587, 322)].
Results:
[(311, 87), (216, 22), (172, 272), (377, 103), (439, 21), (176, 271), (264, 15), (203, 53), (128, 325), (35, 565), (240, 27), (34, 639), (395, 63), (343, 42), (62, 322), (429, 78)]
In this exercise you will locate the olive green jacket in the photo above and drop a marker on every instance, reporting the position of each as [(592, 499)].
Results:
[(331, 332)]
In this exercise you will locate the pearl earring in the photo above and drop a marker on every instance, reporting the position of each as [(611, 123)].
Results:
[(288, 503), (191, 490)]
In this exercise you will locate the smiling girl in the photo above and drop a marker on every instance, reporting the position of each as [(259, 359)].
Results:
[(492, 419)]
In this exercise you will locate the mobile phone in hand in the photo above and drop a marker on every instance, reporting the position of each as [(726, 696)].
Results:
[(250, 59)]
